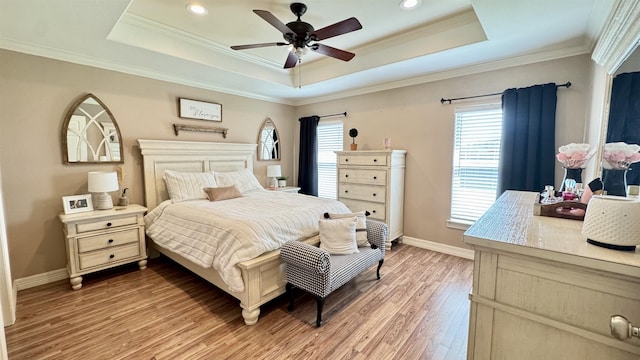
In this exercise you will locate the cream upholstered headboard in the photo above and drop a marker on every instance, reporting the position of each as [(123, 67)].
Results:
[(188, 156)]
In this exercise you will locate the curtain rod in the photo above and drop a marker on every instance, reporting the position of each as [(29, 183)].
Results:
[(338, 114), (443, 100)]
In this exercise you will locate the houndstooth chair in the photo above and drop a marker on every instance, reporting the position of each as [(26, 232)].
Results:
[(315, 271)]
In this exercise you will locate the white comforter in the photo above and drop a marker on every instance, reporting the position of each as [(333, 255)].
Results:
[(224, 233)]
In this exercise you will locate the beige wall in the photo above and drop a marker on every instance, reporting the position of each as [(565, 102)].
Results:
[(35, 94), (416, 121)]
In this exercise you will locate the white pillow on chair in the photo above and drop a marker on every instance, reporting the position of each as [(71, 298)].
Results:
[(361, 226), (338, 236)]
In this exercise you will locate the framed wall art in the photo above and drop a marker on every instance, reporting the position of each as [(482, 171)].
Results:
[(201, 110), (77, 203)]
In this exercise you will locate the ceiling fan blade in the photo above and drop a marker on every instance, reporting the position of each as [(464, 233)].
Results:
[(333, 52), (274, 21), (292, 60), (253, 46), (339, 28)]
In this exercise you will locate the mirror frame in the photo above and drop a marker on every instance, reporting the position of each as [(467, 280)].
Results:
[(261, 144), (65, 128)]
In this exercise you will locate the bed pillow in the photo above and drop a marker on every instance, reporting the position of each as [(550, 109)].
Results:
[(361, 226), (222, 193), (338, 237), (183, 186), (244, 180)]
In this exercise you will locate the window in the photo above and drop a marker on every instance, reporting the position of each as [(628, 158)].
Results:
[(476, 155), (329, 140)]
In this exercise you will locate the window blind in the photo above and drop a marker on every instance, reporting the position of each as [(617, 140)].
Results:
[(330, 139), (475, 161)]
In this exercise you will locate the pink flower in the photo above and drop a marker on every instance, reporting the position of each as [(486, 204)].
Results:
[(620, 155), (574, 156)]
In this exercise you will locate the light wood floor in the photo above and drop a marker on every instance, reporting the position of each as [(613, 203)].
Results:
[(418, 310)]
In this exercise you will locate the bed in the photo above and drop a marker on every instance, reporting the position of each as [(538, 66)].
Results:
[(262, 276)]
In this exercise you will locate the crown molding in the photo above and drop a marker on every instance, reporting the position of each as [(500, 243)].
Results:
[(619, 37)]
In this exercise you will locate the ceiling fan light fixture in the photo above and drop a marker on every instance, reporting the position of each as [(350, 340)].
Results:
[(410, 4), (197, 9)]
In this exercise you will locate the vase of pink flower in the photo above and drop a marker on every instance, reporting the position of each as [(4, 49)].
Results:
[(616, 160), (573, 158)]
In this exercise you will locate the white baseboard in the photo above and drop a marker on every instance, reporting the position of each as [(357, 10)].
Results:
[(439, 247), (40, 279)]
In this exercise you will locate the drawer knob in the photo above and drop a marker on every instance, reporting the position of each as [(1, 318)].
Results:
[(346, 191), (375, 160), (108, 224), (373, 211), (622, 329), (111, 256), (346, 160), (110, 241), (374, 194), (346, 175), (375, 177)]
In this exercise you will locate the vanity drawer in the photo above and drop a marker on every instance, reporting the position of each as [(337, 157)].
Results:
[(113, 255), (106, 224), (372, 160), (362, 192), (376, 210), (108, 240), (361, 176)]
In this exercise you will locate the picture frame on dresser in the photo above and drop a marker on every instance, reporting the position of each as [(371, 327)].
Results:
[(77, 203)]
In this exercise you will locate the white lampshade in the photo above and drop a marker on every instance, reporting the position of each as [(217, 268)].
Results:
[(102, 182), (612, 222), (274, 171)]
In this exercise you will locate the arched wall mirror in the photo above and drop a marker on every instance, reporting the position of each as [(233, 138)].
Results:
[(268, 141), (90, 134)]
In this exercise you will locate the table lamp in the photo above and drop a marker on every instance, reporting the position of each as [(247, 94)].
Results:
[(274, 171), (100, 183)]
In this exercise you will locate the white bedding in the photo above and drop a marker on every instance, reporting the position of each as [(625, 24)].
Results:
[(224, 233)]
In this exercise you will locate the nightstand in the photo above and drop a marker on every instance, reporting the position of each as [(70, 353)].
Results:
[(289, 189), (101, 239)]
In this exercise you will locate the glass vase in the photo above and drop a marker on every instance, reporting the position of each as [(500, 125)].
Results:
[(575, 174), (615, 181)]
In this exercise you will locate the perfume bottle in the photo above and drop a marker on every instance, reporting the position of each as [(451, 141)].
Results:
[(548, 196)]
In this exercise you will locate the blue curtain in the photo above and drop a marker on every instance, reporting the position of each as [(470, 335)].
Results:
[(624, 125), (527, 150), (308, 159)]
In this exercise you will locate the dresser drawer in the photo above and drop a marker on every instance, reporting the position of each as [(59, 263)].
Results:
[(106, 224), (358, 176), (111, 239), (362, 192), (372, 160), (107, 256), (376, 210)]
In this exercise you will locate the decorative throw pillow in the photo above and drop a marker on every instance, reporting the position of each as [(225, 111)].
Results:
[(361, 226), (222, 193), (183, 186), (338, 237), (244, 180)]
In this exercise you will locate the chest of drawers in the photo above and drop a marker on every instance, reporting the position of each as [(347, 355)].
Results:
[(373, 180), (101, 239)]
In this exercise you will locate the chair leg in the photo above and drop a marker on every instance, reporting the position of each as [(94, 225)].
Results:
[(379, 266), (320, 304), (289, 288)]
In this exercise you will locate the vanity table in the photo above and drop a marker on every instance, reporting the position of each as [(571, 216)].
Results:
[(540, 291)]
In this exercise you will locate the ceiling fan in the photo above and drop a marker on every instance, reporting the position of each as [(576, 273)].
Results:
[(300, 35)]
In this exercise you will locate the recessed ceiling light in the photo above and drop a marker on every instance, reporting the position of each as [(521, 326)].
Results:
[(410, 4), (197, 9)]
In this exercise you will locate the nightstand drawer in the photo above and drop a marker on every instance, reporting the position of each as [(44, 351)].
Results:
[(104, 241), (362, 192), (372, 160), (113, 255), (106, 224), (376, 210), (361, 176)]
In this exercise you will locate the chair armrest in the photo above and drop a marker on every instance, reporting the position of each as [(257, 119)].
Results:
[(305, 256), (377, 233)]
